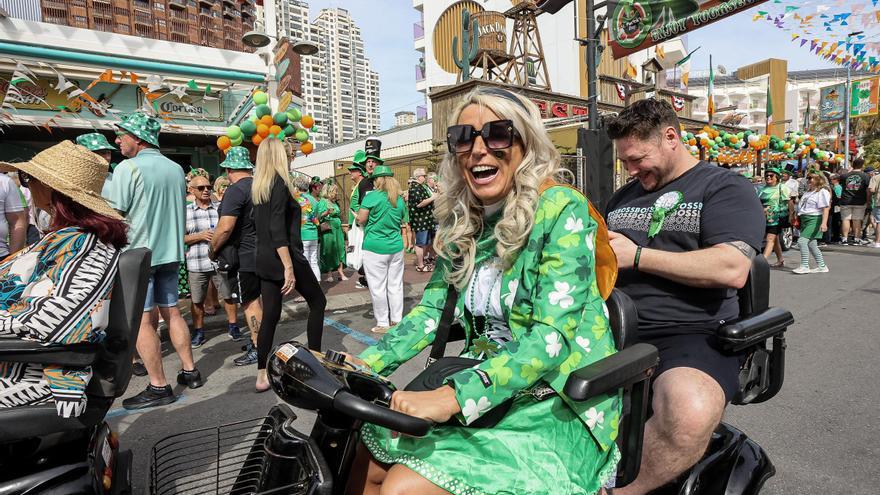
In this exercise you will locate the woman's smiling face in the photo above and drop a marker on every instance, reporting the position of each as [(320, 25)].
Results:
[(489, 173)]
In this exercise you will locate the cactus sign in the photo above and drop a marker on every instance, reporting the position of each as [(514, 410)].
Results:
[(639, 24), (470, 33)]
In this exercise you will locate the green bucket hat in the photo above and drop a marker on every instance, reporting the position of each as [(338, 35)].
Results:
[(382, 171), (237, 158), (94, 141), (141, 126)]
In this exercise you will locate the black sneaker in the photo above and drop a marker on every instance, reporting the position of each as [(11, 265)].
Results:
[(138, 369), (150, 397), (235, 333), (198, 338), (248, 358), (192, 379)]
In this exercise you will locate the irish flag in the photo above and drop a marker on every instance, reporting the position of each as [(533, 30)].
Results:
[(769, 108), (710, 109)]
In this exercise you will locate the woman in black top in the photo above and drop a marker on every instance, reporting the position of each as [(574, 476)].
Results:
[(281, 265)]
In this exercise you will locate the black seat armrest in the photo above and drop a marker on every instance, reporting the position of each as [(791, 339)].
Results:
[(754, 329), (74, 355), (631, 365)]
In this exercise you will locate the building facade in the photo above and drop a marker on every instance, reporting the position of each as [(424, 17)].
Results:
[(340, 89), (404, 118), (216, 24), (28, 10)]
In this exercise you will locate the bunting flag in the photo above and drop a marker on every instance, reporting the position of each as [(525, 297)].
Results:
[(684, 79), (686, 58), (659, 52)]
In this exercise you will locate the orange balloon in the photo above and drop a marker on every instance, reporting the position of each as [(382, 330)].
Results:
[(257, 139), (267, 121), (224, 143), (262, 131), (307, 148), (275, 130), (307, 121)]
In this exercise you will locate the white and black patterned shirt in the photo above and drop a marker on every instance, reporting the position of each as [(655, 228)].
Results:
[(198, 220)]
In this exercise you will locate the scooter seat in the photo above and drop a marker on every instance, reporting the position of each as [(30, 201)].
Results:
[(18, 423)]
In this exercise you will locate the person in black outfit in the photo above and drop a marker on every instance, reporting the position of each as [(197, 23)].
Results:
[(853, 203), (685, 233), (281, 265), (373, 147)]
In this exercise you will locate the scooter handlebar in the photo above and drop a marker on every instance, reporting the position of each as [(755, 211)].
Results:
[(354, 406)]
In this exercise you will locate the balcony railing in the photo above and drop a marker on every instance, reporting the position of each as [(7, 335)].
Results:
[(420, 73), (418, 30)]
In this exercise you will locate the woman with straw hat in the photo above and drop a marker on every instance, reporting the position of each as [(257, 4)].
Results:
[(56, 291)]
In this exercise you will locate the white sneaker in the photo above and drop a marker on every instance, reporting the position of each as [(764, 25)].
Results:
[(803, 270), (876, 245), (820, 269)]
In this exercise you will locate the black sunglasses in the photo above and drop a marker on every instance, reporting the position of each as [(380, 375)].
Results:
[(203, 188), (497, 135)]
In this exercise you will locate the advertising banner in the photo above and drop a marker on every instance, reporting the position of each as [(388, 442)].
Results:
[(192, 106), (39, 96), (831, 102), (863, 97), (639, 24)]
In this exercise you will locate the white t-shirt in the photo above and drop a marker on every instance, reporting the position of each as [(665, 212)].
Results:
[(10, 202), (813, 202), (792, 186)]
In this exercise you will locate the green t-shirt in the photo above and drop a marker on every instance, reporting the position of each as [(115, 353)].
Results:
[(150, 192), (354, 204), (382, 230), (311, 210)]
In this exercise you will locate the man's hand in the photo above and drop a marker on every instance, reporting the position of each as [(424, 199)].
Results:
[(624, 248), (435, 405), (206, 235)]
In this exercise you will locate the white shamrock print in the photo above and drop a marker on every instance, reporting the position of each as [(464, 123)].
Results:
[(594, 416), (560, 297), (473, 410), (430, 325), (605, 310), (583, 342), (553, 345), (589, 241), (512, 286), (573, 224)]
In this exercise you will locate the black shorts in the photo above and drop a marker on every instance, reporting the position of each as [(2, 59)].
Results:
[(773, 229), (696, 351), (245, 286)]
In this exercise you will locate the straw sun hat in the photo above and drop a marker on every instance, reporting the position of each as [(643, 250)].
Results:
[(73, 171)]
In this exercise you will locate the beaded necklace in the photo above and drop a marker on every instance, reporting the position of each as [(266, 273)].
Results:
[(482, 344)]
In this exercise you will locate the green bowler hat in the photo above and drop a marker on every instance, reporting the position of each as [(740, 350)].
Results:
[(374, 157), (94, 141), (237, 158), (142, 126), (382, 171), (360, 156)]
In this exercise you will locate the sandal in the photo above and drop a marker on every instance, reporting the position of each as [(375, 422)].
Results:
[(379, 329), (426, 268), (778, 264)]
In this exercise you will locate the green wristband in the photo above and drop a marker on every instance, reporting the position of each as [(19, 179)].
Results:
[(636, 259)]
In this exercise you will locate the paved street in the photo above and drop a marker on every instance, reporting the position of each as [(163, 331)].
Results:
[(821, 431)]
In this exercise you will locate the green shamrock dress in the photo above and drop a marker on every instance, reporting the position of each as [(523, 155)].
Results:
[(532, 324), (332, 241)]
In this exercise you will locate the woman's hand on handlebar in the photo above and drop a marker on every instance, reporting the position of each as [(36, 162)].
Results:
[(435, 405), (355, 360)]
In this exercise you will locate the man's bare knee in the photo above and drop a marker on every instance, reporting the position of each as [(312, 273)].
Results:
[(688, 405)]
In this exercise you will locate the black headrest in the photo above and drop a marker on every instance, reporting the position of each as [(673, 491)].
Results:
[(623, 317), (113, 370), (754, 297)]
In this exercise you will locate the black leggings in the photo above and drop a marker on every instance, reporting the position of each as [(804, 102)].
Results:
[(270, 291)]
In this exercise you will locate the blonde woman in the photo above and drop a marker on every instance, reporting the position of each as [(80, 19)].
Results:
[(221, 184), (333, 240), (281, 265), (519, 249), (813, 210), (384, 216)]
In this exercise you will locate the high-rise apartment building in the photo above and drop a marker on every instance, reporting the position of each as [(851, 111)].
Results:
[(340, 89), (404, 118), (218, 24), (28, 10)]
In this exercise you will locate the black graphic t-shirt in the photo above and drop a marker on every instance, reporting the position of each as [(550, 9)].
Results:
[(717, 206), (855, 189), (237, 203)]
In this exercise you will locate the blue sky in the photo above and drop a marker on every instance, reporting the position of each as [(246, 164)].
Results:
[(386, 26)]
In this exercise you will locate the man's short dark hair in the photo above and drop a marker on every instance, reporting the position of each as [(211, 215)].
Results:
[(643, 119), (858, 162)]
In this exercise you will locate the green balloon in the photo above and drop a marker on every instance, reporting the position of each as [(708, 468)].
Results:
[(281, 135), (280, 119), (290, 130), (237, 141), (294, 114), (248, 128), (234, 132), (302, 135), (260, 98), (263, 110)]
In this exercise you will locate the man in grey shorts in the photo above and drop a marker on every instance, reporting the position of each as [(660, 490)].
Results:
[(201, 220)]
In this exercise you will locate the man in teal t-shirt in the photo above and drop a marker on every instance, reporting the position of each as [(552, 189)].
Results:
[(149, 190), (383, 249)]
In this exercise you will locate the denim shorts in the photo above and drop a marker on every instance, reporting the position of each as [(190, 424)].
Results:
[(423, 238), (162, 287)]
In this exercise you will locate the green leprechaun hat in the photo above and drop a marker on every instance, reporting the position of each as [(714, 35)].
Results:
[(237, 158), (94, 141), (141, 126)]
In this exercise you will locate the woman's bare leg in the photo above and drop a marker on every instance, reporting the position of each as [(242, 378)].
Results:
[(366, 475), (402, 480)]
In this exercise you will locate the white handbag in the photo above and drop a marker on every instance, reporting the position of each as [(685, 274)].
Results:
[(355, 253)]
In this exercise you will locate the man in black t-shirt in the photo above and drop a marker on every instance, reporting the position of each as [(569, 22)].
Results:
[(685, 234), (236, 227), (853, 203)]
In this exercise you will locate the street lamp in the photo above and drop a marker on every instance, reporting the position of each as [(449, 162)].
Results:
[(847, 103), (258, 39)]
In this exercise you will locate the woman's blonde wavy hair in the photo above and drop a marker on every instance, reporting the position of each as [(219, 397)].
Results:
[(271, 161), (458, 211)]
